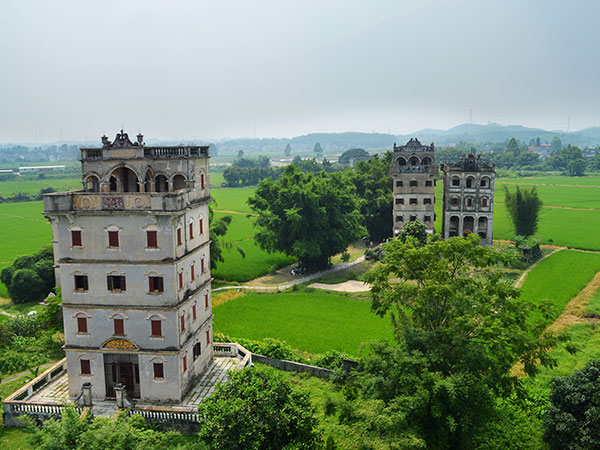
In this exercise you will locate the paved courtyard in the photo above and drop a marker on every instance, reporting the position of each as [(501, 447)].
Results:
[(58, 390)]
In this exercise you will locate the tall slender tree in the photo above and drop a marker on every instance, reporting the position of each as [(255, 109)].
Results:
[(523, 206)]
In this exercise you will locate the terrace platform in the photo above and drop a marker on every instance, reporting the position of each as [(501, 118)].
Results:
[(47, 395)]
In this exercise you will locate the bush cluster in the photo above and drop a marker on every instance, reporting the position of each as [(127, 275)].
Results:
[(30, 277)]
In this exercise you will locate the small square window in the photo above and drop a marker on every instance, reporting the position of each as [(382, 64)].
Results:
[(399, 219), (155, 284), (427, 218), (413, 218), (398, 183), (156, 328), (414, 183), (455, 181), (76, 238), (197, 350), (119, 327), (81, 282), (85, 367), (115, 283), (428, 183), (427, 201), (82, 325), (158, 370), (413, 201), (399, 201)]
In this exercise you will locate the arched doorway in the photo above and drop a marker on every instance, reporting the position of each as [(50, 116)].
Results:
[(454, 224), (160, 184), (468, 225), (92, 184), (123, 179), (179, 182), (148, 181)]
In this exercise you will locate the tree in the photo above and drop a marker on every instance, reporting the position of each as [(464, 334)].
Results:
[(240, 154), (513, 146), (357, 154), (373, 185), (523, 206), (459, 328), (538, 143), (257, 410), (218, 229), (318, 149), (26, 286), (576, 167), (572, 419), (414, 230), (309, 216), (556, 144), (35, 282), (288, 150)]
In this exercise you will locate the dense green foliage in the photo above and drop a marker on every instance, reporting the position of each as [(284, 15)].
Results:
[(30, 277), (311, 217), (75, 432), (356, 154), (259, 411), (573, 416), (459, 328), (336, 322), (523, 207), (248, 172)]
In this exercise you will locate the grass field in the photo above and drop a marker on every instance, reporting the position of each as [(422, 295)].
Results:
[(232, 199), (216, 179), (8, 188), (315, 322), (592, 180), (559, 277)]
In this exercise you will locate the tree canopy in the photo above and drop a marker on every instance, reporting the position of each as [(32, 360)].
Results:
[(357, 154), (257, 411), (523, 206), (310, 216), (30, 277), (459, 327)]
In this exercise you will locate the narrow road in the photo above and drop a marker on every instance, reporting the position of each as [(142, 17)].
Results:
[(27, 372)]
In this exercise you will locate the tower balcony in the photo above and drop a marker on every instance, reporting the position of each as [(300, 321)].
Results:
[(401, 169), (97, 154), (81, 201)]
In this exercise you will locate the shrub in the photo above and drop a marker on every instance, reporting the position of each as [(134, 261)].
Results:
[(255, 410), (331, 360), (22, 325)]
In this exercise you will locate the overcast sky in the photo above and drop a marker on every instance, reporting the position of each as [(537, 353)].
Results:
[(227, 68)]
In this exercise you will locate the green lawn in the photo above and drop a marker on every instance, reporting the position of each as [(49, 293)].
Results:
[(564, 196), (28, 186), (216, 179), (592, 180), (315, 322), (232, 199), (559, 277)]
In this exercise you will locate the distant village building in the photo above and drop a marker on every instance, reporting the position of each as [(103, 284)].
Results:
[(414, 177), (41, 168), (468, 205), (544, 150), (132, 258)]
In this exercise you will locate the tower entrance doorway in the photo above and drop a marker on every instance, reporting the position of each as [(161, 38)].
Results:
[(122, 369)]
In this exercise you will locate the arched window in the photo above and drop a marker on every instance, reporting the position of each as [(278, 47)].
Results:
[(455, 181), (179, 182), (123, 179), (413, 161), (401, 161), (485, 182), (470, 182), (92, 184), (160, 184), (148, 181)]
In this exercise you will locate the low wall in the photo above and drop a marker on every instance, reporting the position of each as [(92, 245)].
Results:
[(291, 366)]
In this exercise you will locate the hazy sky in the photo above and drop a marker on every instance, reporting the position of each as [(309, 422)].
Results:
[(228, 68)]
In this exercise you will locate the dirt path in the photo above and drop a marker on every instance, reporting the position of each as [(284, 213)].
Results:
[(228, 211), (22, 374), (521, 279)]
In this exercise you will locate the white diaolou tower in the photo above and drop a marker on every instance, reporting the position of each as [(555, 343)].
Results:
[(132, 255)]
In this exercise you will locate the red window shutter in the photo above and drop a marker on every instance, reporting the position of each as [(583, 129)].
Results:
[(156, 328), (178, 236), (151, 286), (202, 265), (85, 283), (202, 180), (85, 366), (207, 337), (158, 370), (113, 238), (119, 328), (191, 231), (109, 282), (76, 238), (180, 280), (184, 363), (182, 323), (122, 283), (193, 312), (201, 226), (151, 238), (160, 284), (193, 275), (82, 325), (206, 301)]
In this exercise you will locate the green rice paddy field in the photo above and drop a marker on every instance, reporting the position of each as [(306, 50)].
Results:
[(311, 321)]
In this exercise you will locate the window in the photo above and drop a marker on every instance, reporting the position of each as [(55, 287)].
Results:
[(484, 202), (113, 238), (81, 282), (155, 284), (413, 217), (206, 301), (398, 183), (184, 363), (484, 182), (178, 236), (454, 201), (151, 239), (201, 226), (428, 183), (413, 183), (399, 219), (82, 325), (156, 328), (85, 367), (455, 181), (191, 231), (158, 370), (202, 265), (182, 319), (413, 201), (119, 327), (207, 337), (76, 238), (399, 201), (192, 272), (115, 283), (197, 350), (427, 218), (427, 201), (202, 185), (469, 201), (469, 182), (180, 280), (193, 312)]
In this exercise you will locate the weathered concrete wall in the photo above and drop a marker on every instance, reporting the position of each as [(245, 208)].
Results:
[(291, 366)]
